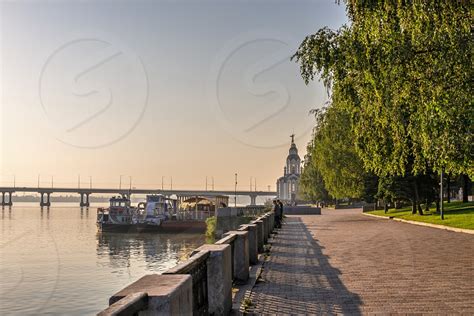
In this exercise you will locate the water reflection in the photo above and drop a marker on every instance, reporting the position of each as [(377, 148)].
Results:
[(154, 249), (56, 259)]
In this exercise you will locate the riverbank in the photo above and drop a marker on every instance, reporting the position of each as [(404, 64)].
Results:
[(203, 284), (456, 214)]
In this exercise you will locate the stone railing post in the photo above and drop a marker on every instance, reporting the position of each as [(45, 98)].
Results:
[(269, 223), (252, 236), (241, 255), (272, 221), (219, 278), (266, 227), (167, 294), (260, 232)]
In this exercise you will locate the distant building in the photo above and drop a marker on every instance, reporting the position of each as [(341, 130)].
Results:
[(287, 186)]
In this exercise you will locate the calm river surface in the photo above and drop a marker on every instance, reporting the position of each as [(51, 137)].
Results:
[(55, 262)]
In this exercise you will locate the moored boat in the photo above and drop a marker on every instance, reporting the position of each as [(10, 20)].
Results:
[(157, 214)]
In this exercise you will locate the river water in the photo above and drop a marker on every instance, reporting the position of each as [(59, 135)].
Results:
[(55, 262)]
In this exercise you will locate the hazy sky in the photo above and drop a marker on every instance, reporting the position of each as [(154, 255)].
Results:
[(182, 89)]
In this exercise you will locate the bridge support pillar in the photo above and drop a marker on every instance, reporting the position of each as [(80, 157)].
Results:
[(48, 199), (253, 199), (84, 201), (3, 198), (10, 200)]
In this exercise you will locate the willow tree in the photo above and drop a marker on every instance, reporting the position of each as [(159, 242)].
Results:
[(332, 164), (403, 71), (311, 184)]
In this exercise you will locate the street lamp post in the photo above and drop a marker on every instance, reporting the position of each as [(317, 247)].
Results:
[(441, 207), (235, 191), (90, 182), (120, 182)]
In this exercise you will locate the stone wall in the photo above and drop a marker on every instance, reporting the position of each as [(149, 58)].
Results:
[(301, 210), (201, 285)]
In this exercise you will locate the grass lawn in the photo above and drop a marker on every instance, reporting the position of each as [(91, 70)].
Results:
[(456, 214)]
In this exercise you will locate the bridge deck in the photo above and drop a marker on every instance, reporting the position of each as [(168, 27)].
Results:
[(135, 191)]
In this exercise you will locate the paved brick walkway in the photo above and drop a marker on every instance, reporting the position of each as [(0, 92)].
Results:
[(349, 263)]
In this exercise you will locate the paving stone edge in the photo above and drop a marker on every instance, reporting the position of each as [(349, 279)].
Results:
[(453, 229)]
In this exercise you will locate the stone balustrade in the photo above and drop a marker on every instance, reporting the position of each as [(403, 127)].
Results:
[(201, 285)]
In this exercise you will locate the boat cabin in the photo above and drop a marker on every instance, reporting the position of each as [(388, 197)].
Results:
[(119, 202)]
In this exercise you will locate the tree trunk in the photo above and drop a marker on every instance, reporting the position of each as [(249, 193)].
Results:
[(465, 187), (438, 210), (427, 206), (417, 198), (385, 207), (413, 206), (420, 210)]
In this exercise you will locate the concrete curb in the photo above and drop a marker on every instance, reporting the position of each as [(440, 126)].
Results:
[(244, 290), (453, 229)]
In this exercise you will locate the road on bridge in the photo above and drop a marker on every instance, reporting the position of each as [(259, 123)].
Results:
[(346, 262)]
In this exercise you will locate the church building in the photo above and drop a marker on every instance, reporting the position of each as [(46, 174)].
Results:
[(287, 186)]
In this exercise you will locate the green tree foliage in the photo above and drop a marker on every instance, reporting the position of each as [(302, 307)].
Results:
[(400, 79), (335, 157), (311, 184), (332, 165), (403, 71)]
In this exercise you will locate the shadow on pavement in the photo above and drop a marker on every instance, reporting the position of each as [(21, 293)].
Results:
[(298, 278)]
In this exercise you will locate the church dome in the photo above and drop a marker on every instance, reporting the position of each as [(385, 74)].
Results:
[(293, 152)]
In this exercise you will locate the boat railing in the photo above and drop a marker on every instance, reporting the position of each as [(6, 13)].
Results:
[(192, 215)]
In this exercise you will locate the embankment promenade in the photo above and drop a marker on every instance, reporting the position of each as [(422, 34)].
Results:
[(343, 262), (339, 262)]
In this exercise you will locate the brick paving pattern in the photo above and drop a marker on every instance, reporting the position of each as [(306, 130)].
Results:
[(343, 262)]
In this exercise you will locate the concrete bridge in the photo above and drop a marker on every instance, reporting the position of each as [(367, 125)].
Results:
[(45, 193)]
